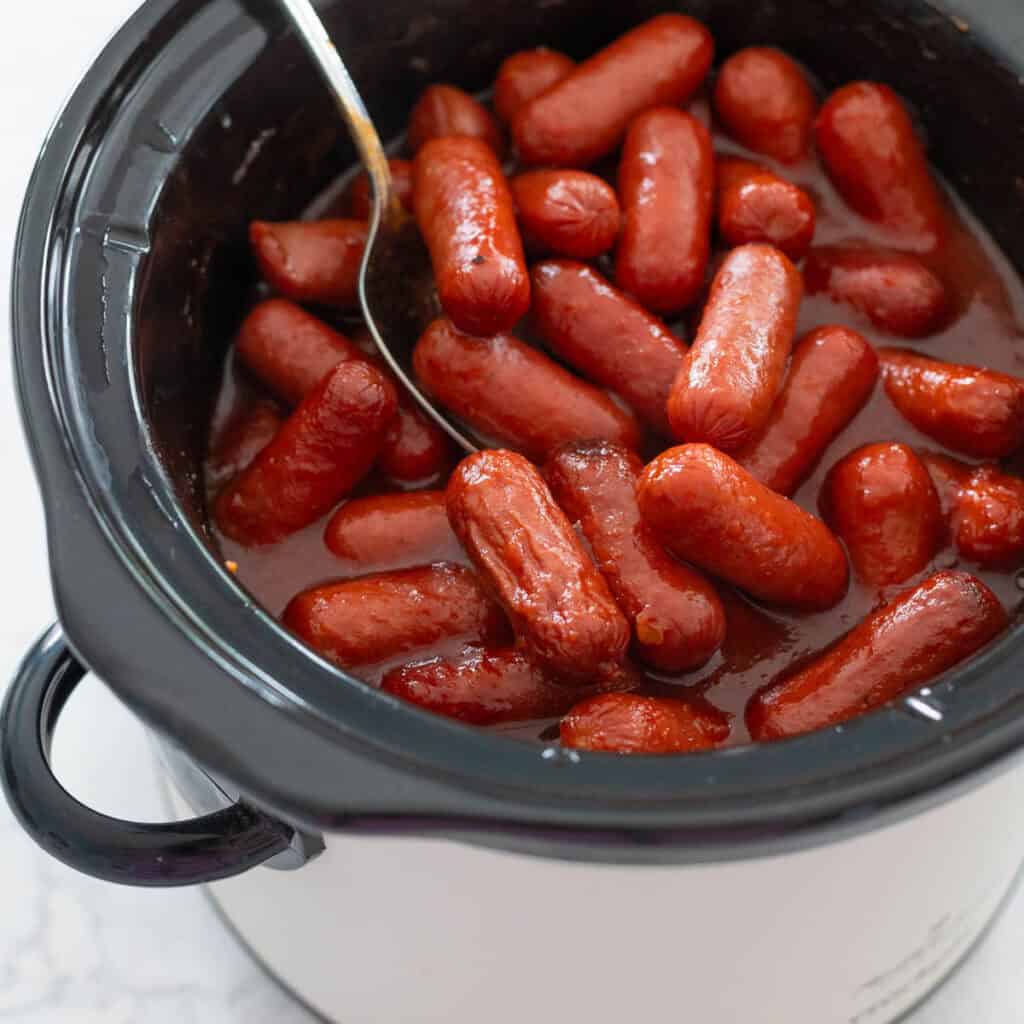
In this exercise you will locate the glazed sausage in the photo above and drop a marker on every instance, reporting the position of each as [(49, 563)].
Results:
[(443, 111), (988, 521), (968, 409), (525, 75), (920, 634), (415, 450), (358, 197), (585, 115), (241, 439), (755, 205), (894, 290), (831, 376), (766, 103), (678, 621), (876, 161), (667, 189), (373, 619), (571, 213), (323, 450), (710, 511), (392, 531), (483, 686), (623, 723), (290, 350), (464, 210), (725, 389), (514, 394), (949, 476), (607, 336), (528, 554), (311, 261), (882, 503)]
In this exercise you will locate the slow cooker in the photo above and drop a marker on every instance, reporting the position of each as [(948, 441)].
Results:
[(423, 870)]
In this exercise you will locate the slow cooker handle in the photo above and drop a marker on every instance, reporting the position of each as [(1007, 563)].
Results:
[(218, 845)]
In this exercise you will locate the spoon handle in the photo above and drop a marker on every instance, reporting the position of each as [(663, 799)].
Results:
[(314, 36)]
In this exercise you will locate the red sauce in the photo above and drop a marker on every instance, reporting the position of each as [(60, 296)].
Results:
[(985, 331)]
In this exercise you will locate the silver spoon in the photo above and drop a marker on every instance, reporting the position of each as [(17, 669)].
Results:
[(396, 288)]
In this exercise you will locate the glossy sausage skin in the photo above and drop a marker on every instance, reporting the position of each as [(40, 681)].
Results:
[(677, 618), (970, 410), (291, 350), (709, 510), (375, 618), (465, 212), (241, 439), (882, 503), (876, 161), (766, 103), (482, 686), (623, 723), (949, 476), (667, 189), (514, 394), (607, 336), (831, 376), (444, 110), (525, 75), (527, 552), (755, 205), (585, 115), (728, 382), (570, 213), (920, 634), (389, 531), (311, 261), (894, 290), (358, 197), (324, 449)]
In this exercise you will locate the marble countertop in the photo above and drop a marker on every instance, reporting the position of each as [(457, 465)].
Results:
[(78, 951)]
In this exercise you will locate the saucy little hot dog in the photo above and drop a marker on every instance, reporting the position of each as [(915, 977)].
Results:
[(445, 110), (525, 75), (920, 634), (528, 554)]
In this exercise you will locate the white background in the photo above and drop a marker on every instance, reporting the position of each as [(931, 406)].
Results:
[(76, 951)]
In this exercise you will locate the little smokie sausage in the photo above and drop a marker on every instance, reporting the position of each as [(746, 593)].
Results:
[(949, 476), (525, 75), (444, 110), (755, 205), (527, 552), (514, 394), (766, 103), (311, 261), (707, 509), (608, 337), (483, 686), (358, 198), (323, 450), (375, 618), (882, 503), (831, 376), (290, 350), (571, 213), (920, 634), (585, 115), (624, 723), (464, 210), (876, 161), (970, 410), (667, 189), (728, 382), (241, 439), (677, 618), (894, 290), (392, 531)]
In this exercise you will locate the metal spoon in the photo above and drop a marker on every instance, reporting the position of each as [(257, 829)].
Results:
[(396, 289)]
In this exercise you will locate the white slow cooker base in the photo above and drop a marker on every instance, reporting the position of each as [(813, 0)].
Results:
[(855, 932)]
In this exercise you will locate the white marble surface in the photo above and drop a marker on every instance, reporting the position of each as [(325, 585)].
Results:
[(76, 951)]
